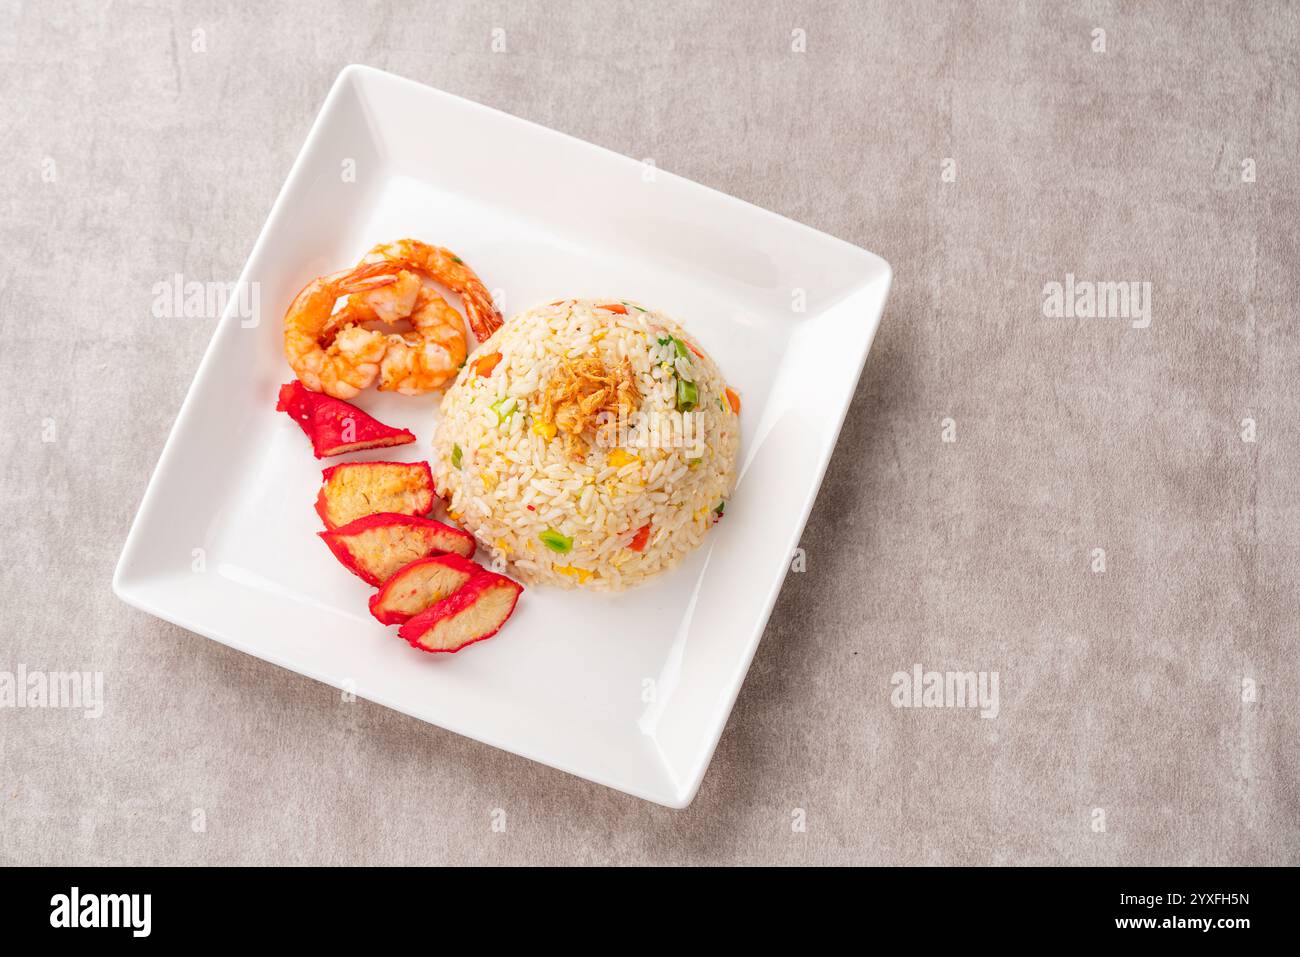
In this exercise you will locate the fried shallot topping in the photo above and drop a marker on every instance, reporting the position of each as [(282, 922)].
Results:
[(583, 389)]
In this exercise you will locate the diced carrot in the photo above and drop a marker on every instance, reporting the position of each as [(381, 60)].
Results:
[(695, 350), (733, 399), (615, 307), (642, 536), (484, 365)]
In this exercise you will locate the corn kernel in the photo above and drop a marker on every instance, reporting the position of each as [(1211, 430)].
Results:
[(573, 571)]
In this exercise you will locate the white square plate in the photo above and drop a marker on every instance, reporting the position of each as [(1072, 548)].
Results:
[(630, 690)]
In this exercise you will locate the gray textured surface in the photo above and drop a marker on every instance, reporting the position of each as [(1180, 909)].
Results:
[(1120, 691)]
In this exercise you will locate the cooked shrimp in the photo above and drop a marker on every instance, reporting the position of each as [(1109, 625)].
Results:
[(339, 363), (429, 357), (444, 266), (390, 303)]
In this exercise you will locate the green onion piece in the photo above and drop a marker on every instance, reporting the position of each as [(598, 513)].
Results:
[(681, 348), (457, 260), (455, 456), (499, 407), (556, 542), (720, 509), (688, 396), (664, 342)]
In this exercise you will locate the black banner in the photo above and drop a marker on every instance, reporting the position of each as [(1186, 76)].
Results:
[(138, 905)]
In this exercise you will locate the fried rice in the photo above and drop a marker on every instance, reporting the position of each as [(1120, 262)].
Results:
[(588, 443)]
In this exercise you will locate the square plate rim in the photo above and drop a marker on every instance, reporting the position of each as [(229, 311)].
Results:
[(133, 593)]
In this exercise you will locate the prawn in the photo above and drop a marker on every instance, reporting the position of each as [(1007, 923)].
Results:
[(326, 358), (443, 266), (431, 355), (428, 356), (419, 359)]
